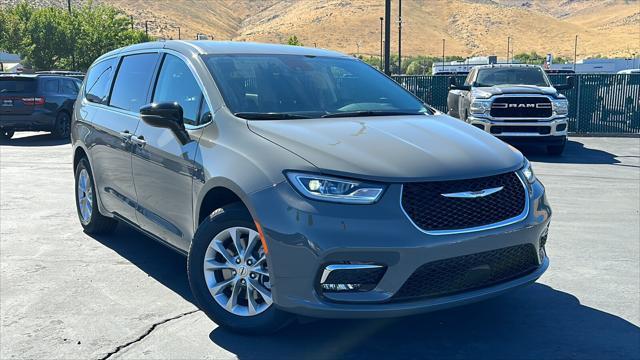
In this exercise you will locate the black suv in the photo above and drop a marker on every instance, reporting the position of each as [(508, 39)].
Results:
[(36, 103)]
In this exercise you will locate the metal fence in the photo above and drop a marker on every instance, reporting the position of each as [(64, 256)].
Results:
[(598, 103)]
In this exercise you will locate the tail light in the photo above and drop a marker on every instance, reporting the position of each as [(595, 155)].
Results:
[(33, 100)]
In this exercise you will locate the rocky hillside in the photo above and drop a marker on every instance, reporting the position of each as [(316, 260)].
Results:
[(469, 27)]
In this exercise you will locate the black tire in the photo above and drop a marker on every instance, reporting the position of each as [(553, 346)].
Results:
[(556, 150), (97, 223), (6, 134), (62, 128), (269, 321)]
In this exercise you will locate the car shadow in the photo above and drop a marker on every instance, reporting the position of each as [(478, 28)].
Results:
[(575, 153), (41, 139), (535, 322), (532, 322)]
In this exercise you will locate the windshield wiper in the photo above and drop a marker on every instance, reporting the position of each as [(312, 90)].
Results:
[(370, 113), (269, 116)]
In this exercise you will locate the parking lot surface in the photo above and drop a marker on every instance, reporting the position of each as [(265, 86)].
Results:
[(65, 294)]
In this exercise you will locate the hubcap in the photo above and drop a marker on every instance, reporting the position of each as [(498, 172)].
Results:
[(235, 269), (85, 196)]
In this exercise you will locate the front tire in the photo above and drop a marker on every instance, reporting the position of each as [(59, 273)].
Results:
[(228, 273), (6, 134), (87, 205), (63, 125)]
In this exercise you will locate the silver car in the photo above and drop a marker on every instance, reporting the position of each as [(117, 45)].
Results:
[(301, 181)]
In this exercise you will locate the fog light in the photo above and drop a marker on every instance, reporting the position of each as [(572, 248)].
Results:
[(561, 127), (351, 277)]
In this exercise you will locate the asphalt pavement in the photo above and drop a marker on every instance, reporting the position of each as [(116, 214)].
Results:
[(64, 294)]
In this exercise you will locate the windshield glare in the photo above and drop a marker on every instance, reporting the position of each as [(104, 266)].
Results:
[(306, 86), (511, 76)]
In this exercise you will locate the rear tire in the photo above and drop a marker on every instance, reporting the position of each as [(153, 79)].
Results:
[(6, 134), (63, 125), (230, 276), (90, 217)]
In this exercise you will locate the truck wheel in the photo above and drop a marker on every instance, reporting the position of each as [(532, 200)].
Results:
[(63, 125), (556, 150), (6, 134), (229, 276)]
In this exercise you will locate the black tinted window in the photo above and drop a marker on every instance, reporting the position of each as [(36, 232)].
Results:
[(50, 85), (511, 76), (132, 82), (177, 84), (69, 87), (17, 85), (99, 81)]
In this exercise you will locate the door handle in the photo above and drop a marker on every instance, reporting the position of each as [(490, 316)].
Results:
[(138, 140), (125, 135)]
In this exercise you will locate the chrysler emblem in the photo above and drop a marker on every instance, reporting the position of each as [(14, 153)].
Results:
[(473, 194)]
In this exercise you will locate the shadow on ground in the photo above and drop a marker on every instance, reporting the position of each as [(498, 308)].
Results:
[(40, 139), (574, 153), (533, 322)]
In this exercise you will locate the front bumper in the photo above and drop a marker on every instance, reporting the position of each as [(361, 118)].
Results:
[(303, 236), (556, 127)]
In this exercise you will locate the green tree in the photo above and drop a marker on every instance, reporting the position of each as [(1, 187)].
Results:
[(293, 40), (49, 37)]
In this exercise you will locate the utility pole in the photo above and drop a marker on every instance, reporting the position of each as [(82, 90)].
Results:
[(381, 58), (508, 46), (73, 46), (443, 69), (131, 17), (400, 37), (387, 36), (146, 27), (69, 5), (179, 35), (575, 54)]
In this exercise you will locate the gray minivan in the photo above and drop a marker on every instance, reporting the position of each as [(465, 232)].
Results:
[(301, 181)]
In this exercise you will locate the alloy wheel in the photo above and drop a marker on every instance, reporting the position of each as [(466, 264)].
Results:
[(85, 196), (235, 270)]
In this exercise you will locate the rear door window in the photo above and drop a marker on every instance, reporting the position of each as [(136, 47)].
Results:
[(11, 85), (176, 83), (131, 87), (69, 87), (99, 81)]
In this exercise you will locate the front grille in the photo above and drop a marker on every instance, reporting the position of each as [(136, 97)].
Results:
[(469, 272), (425, 204), (542, 130), (521, 107)]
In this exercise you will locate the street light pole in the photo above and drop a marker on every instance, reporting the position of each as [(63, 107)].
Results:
[(443, 69), (146, 27), (575, 53), (400, 37), (508, 46), (179, 35), (131, 17), (381, 59), (387, 36), (73, 47)]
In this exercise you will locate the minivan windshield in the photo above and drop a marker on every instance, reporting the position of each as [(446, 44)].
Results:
[(511, 76), (298, 87)]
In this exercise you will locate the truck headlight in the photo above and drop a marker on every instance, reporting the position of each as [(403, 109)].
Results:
[(527, 172), (327, 188), (560, 107), (480, 106)]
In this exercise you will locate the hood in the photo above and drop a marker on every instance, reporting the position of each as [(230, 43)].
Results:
[(393, 148), (486, 92)]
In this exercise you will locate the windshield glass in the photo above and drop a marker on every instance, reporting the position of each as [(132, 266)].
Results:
[(297, 87), (511, 76)]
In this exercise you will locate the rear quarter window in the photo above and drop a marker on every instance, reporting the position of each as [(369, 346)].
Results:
[(99, 81)]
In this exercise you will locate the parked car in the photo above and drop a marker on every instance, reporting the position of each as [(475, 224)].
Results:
[(300, 181), (36, 103), (74, 74), (514, 102)]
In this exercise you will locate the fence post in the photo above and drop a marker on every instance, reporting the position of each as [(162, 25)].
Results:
[(579, 77)]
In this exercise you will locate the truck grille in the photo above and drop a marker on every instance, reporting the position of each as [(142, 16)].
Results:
[(430, 210), (469, 272), (521, 107)]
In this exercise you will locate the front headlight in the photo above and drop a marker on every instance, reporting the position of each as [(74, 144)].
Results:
[(327, 188), (480, 106), (560, 107), (527, 172)]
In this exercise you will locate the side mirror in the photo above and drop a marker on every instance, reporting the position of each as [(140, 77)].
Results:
[(167, 115), (452, 83), (569, 84)]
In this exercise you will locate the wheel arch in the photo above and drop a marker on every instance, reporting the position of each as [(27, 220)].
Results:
[(218, 193)]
